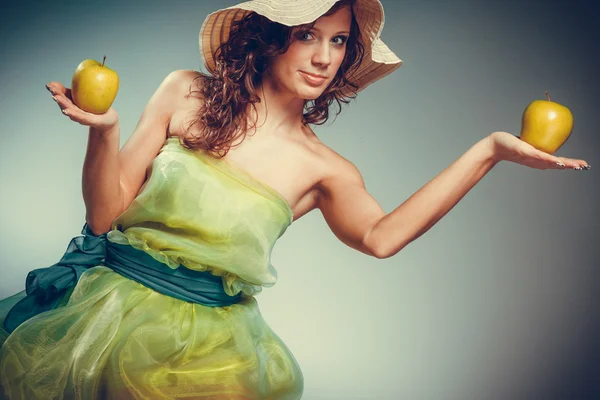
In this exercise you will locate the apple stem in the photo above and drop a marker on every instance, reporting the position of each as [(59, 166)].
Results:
[(547, 95), (104, 59)]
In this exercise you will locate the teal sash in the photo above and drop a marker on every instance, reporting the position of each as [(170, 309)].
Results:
[(47, 287)]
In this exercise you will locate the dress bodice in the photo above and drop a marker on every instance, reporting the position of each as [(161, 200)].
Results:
[(208, 215)]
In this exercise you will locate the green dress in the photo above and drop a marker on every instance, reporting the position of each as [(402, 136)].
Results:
[(114, 338)]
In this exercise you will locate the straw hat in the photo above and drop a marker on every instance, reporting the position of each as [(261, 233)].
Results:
[(378, 60)]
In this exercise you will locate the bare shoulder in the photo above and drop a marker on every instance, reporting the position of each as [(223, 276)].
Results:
[(184, 75), (187, 83), (335, 170), (348, 208), (184, 80)]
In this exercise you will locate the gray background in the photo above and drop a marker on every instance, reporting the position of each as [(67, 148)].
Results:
[(498, 300)]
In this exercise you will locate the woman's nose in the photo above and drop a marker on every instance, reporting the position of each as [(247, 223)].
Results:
[(322, 56)]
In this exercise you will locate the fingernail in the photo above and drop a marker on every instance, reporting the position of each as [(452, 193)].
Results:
[(54, 98), (64, 112), (50, 90), (560, 164)]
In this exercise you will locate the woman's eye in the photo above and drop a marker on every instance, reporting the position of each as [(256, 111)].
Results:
[(341, 41), (338, 40)]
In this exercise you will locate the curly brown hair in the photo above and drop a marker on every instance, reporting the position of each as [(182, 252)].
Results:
[(240, 63)]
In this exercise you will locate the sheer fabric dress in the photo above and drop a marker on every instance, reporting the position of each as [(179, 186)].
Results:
[(112, 337)]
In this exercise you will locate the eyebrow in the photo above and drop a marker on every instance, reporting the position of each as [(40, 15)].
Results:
[(337, 33)]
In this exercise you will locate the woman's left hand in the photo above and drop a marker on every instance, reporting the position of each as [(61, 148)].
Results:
[(508, 147)]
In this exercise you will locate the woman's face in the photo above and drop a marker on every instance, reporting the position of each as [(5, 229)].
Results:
[(312, 59)]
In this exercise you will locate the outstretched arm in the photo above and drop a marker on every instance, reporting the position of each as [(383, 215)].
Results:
[(356, 218)]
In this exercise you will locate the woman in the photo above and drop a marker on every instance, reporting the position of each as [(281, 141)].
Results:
[(156, 299)]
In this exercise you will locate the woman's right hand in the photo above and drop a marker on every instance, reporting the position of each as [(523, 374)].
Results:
[(62, 96)]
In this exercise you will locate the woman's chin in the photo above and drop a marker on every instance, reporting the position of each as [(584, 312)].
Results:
[(310, 93)]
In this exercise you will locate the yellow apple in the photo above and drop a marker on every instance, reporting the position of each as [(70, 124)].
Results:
[(94, 86), (546, 125)]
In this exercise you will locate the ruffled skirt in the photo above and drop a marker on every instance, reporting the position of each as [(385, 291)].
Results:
[(114, 338)]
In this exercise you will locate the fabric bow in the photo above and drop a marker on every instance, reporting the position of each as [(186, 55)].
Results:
[(45, 287)]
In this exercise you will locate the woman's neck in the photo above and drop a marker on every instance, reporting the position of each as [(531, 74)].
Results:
[(279, 112)]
